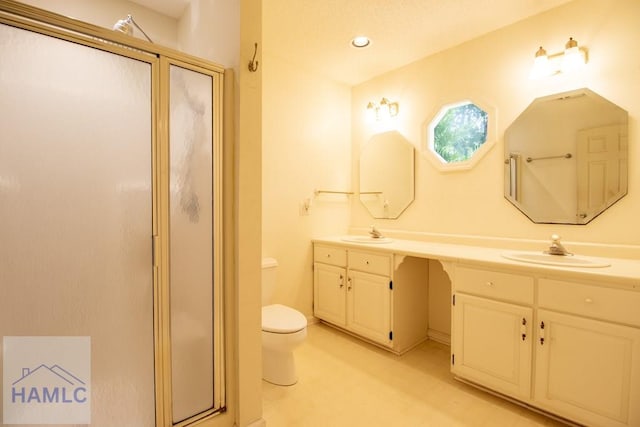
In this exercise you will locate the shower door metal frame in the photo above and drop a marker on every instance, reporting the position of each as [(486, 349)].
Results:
[(219, 392), (160, 58)]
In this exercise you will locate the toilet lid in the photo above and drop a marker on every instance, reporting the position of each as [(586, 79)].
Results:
[(282, 319)]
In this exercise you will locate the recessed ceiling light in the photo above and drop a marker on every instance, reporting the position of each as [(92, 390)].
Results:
[(360, 41)]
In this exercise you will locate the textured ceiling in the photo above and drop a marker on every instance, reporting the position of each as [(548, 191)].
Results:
[(316, 34)]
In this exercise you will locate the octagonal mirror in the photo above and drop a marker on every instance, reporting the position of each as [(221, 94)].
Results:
[(566, 158), (387, 175)]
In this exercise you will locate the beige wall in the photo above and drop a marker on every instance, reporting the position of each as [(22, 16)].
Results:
[(306, 146), (210, 29), (494, 69), (160, 28), (248, 225)]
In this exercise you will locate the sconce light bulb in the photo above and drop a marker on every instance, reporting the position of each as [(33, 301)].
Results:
[(394, 109), (541, 66), (573, 58), (383, 113), (372, 112), (571, 44)]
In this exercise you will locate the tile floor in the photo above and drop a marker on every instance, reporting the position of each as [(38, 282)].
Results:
[(346, 382)]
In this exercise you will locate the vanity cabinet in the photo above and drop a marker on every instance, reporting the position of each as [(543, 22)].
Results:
[(570, 348), (369, 306), (492, 344), (354, 289), (491, 330), (329, 284), (563, 340), (588, 353)]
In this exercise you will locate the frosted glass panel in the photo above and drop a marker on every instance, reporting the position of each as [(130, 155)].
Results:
[(191, 242), (76, 211)]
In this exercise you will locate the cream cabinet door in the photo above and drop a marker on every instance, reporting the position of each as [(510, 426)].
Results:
[(492, 344), (369, 306), (329, 300), (588, 370)]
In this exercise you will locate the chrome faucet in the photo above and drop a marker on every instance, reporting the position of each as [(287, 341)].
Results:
[(375, 233), (556, 247)]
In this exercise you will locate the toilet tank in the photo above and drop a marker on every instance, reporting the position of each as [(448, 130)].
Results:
[(269, 268)]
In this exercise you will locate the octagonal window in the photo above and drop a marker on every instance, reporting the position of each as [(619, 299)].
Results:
[(457, 132)]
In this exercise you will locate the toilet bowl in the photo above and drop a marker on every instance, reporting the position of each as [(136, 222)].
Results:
[(283, 329)]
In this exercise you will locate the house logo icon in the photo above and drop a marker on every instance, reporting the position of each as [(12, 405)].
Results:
[(46, 380), (46, 384)]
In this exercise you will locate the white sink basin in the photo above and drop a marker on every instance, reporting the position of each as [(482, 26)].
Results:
[(557, 260), (366, 239)]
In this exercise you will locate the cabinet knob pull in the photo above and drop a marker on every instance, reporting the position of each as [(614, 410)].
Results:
[(328, 255), (349, 284), (588, 300), (341, 281), (490, 284), (367, 262)]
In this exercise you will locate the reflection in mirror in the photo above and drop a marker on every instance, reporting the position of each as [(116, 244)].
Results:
[(566, 158), (387, 175)]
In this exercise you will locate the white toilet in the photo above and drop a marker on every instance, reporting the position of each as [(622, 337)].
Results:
[(283, 329)]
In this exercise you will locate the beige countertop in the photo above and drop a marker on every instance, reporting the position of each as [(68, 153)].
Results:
[(622, 273)]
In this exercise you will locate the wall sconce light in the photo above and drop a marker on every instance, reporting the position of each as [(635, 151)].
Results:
[(572, 58), (382, 111)]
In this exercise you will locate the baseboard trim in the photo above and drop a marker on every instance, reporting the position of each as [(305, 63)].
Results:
[(441, 337), (515, 401), (258, 423)]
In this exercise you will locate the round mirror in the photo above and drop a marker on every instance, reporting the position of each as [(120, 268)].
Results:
[(566, 158), (387, 175)]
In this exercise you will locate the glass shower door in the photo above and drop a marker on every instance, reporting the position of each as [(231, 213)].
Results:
[(195, 303), (76, 213)]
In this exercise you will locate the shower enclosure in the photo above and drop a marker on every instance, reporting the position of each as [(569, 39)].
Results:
[(110, 222)]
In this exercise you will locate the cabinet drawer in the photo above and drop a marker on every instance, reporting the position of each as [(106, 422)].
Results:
[(615, 305), (370, 263), (505, 286), (330, 255)]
